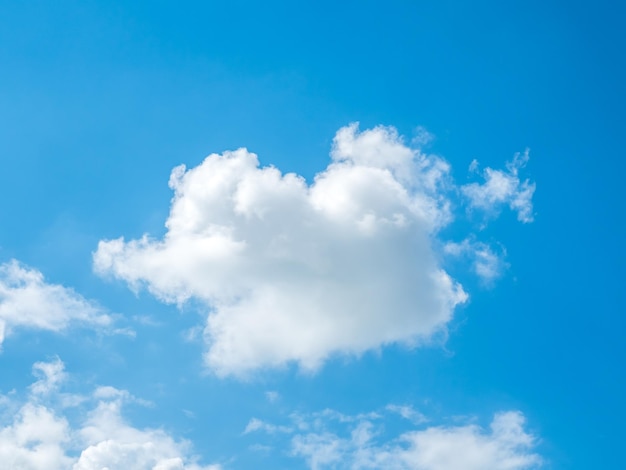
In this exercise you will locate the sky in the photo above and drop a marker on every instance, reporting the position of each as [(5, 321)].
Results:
[(312, 235)]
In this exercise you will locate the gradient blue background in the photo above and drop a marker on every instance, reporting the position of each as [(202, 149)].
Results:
[(99, 100)]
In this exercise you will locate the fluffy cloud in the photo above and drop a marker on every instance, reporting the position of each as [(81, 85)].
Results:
[(27, 301), (506, 446), (327, 442), (35, 440), (503, 188), (112, 443), (39, 437), (296, 272)]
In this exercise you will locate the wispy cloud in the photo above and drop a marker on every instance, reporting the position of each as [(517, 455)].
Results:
[(27, 301), (502, 188), (487, 264), (360, 442)]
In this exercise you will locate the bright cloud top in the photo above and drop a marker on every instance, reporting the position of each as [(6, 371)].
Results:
[(27, 301), (297, 272), (38, 436), (330, 440)]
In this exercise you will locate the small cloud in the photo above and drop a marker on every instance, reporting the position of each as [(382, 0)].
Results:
[(255, 425), (193, 334), (27, 301), (263, 449), (126, 331), (108, 393), (422, 137), (146, 320), (503, 188), (50, 374), (408, 413), (486, 263)]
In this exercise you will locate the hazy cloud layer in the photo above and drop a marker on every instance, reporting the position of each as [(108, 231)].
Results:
[(295, 272)]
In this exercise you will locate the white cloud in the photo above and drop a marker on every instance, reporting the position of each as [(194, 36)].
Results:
[(294, 272), (506, 446), (407, 412), (27, 301), (35, 440), (39, 437), (51, 375), (113, 443), (503, 188), (421, 137), (319, 449), (257, 425), (486, 263), (363, 443), (297, 272)]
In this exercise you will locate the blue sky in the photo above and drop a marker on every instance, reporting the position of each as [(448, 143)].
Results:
[(439, 281)]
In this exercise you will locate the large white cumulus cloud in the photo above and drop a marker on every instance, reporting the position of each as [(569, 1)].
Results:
[(293, 271)]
